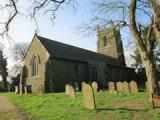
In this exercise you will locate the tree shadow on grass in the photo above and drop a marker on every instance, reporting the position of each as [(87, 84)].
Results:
[(115, 109)]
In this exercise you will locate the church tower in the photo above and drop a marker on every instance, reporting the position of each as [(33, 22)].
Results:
[(110, 44)]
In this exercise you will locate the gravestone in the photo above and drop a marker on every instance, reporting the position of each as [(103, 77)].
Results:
[(41, 89), (25, 90), (95, 87), (16, 89), (119, 86), (82, 84), (133, 87), (67, 89), (21, 89), (111, 87), (126, 87), (72, 92), (88, 97), (147, 87)]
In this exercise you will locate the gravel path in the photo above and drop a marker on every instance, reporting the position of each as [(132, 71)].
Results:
[(8, 111)]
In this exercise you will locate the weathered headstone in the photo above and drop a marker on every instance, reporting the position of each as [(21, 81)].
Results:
[(147, 88), (67, 89), (133, 87), (119, 86), (126, 87), (82, 84), (95, 87), (72, 92), (21, 89), (88, 97), (25, 90), (41, 90), (111, 87), (16, 89)]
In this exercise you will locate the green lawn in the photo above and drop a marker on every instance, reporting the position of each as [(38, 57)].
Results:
[(58, 106)]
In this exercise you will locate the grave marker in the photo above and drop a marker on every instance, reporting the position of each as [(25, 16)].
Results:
[(88, 97), (95, 87)]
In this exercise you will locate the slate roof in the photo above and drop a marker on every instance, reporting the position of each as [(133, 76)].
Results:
[(64, 51)]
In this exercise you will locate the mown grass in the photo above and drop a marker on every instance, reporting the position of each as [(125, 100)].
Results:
[(58, 106)]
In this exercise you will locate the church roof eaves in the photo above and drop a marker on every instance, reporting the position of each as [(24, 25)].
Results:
[(64, 51)]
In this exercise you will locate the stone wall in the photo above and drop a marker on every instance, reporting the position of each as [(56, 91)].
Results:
[(38, 49), (67, 71)]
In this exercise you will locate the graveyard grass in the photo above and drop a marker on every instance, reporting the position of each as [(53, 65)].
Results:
[(58, 106)]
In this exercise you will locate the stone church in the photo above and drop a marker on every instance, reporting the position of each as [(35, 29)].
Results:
[(52, 64)]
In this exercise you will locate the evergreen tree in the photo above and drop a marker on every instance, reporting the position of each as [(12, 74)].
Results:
[(4, 73)]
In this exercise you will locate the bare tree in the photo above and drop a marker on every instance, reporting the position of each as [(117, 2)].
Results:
[(10, 9), (123, 15), (155, 4), (19, 52)]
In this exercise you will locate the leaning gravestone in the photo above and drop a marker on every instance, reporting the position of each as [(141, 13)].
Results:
[(88, 97), (95, 87), (119, 86), (111, 87), (16, 89), (67, 89), (133, 87), (72, 92), (126, 87)]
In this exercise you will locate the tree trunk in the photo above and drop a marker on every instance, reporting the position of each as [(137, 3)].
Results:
[(146, 52), (155, 4), (151, 75)]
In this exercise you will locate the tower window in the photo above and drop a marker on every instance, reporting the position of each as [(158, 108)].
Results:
[(105, 41)]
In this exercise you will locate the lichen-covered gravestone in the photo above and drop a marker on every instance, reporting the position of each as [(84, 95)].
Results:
[(95, 87), (111, 87), (133, 87), (126, 87), (72, 92), (16, 89), (67, 89), (119, 86), (88, 97)]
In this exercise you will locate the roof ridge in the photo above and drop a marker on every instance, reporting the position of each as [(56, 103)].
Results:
[(67, 44), (66, 51), (71, 45)]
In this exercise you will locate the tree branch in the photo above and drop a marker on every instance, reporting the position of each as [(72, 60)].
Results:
[(10, 19), (133, 27)]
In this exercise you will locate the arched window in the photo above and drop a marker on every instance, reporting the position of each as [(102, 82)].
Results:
[(34, 65)]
